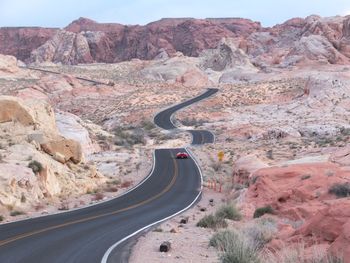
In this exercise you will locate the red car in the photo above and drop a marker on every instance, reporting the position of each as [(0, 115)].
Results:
[(181, 155)]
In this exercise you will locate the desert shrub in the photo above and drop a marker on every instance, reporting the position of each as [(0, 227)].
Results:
[(36, 166), (269, 154), (305, 177), (262, 211), (340, 190), (16, 213), (212, 221), (148, 125), (128, 138), (216, 166), (23, 198), (222, 240), (1, 218), (261, 231), (235, 246), (192, 122), (297, 253), (228, 211), (136, 138)]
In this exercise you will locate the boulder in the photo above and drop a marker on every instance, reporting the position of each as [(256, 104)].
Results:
[(225, 56), (193, 78), (13, 109), (69, 126), (70, 149), (8, 64), (341, 156), (327, 224)]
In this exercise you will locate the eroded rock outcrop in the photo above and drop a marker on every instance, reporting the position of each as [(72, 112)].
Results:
[(12, 109), (65, 47), (36, 162), (225, 56), (69, 149), (21, 41)]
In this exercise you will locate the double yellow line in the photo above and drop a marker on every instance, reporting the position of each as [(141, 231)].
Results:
[(29, 234)]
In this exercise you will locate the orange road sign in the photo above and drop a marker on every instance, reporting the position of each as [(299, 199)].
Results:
[(221, 155)]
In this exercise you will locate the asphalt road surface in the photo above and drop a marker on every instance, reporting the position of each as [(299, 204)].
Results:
[(163, 119), (84, 235)]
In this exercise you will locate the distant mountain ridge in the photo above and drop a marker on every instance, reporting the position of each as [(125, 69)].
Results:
[(323, 40)]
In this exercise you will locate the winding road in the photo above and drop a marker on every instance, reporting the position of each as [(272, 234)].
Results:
[(96, 233)]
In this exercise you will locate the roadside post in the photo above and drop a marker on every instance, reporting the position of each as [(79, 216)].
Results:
[(221, 155)]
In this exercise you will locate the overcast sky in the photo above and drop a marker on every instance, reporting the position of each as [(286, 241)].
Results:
[(59, 13)]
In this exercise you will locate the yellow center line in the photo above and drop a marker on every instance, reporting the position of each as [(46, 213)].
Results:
[(172, 182)]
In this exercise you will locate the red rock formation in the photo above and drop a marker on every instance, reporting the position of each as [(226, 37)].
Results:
[(298, 40), (300, 193), (21, 41)]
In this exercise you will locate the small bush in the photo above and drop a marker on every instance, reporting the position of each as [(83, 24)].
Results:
[(340, 190), (16, 213), (261, 231), (262, 211), (148, 125), (192, 122), (236, 247), (305, 177), (36, 166), (1, 218), (298, 253), (223, 239), (23, 198), (229, 211), (211, 221)]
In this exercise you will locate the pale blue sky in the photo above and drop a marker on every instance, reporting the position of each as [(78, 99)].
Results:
[(59, 13)]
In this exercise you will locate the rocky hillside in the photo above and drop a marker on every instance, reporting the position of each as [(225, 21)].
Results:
[(314, 38), (21, 41)]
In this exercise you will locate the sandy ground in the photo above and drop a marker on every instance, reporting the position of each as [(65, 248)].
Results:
[(189, 243)]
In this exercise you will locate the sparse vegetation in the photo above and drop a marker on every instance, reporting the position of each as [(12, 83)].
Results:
[(129, 136), (192, 122), (260, 231), (340, 190), (16, 213), (262, 211), (305, 177), (235, 246), (212, 221), (36, 166), (1, 218), (23, 198), (228, 211), (269, 154), (148, 125), (297, 253)]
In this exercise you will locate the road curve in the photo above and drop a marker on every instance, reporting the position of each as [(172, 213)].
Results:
[(164, 119), (85, 234)]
